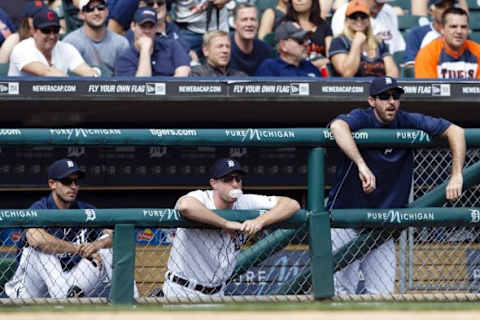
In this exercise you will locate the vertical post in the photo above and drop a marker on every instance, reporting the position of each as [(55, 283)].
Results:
[(123, 264), (319, 227)]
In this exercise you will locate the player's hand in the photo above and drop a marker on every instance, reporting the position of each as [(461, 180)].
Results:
[(251, 227), (87, 250), (231, 227), (454, 187), (368, 179)]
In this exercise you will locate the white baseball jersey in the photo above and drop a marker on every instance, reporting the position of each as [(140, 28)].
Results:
[(207, 257), (385, 26)]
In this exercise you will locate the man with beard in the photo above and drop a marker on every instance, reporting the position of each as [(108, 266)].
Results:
[(382, 178), (97, 45), (61, 262), (44, 55)]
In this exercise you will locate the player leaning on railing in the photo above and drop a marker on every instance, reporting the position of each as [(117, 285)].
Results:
[(382, 178), (202, 260)]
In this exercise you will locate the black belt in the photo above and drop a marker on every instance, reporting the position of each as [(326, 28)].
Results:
[(198, 287)]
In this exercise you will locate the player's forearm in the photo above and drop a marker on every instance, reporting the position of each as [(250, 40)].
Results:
[(456, 140), (105, 241), (193, 209), (45, 242), (344, 139), (284, 209)]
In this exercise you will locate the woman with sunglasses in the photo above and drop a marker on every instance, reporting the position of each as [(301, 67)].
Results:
[(357, 52), (307, 14)]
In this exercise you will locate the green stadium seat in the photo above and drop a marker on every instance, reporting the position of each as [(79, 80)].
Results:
[(404, 4), (406, 22), (4, 69), (270, 39), (407, 72), (398, 58), (263, 5), (473, 4), (475, 36), (475, 20)]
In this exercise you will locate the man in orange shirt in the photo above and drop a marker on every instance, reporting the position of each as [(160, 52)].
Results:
[(452, 56)]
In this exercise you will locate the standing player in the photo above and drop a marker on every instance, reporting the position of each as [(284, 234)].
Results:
[(375, 178), (202, 260), (61, 262)]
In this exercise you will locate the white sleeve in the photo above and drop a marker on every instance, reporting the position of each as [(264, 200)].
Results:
[(22, 55), (256, 202), (338, 20), (72, 55)]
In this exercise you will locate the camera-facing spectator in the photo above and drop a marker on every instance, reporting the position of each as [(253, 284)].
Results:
[(383, 20), (150, 55), (217, 52), (292, 43), (452, 56), (357, 52), (44, 55), (97, 45), (248, 52)]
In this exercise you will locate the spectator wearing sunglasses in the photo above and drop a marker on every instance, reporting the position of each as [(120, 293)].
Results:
[(383, 20), (97, 45), (382, 178), (150, 55), (292, 43), (44, 55), (61, 262), (206, 257), (357, 52)]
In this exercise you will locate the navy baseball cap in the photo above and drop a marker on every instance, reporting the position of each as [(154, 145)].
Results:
[(145, 14), (62, 168), (45, 18), (225, 166), (382, 84), (434, 2), (290, 30), (32, 7)]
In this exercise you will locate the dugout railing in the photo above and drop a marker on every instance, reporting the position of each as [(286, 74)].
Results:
[(318, 221)]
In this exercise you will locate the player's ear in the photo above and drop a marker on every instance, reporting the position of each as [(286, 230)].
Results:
[(51, 184), (371, 101), (213, 182)]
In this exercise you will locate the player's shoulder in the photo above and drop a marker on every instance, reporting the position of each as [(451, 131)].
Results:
[(84, 205), (40, 204)]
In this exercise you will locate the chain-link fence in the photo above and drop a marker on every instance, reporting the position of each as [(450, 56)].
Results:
[(277, 262)]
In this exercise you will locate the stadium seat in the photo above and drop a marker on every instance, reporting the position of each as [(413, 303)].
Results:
[(398, 58), (475, 20), (473, 5), (263, 5), (270, 40), (475, 36), (407, 21), (404, 4), (407, 72), (4, 69)]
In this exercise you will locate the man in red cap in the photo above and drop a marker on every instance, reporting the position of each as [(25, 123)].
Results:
[(44, 55)]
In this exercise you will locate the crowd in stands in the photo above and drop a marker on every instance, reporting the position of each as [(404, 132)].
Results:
[(241, 38)]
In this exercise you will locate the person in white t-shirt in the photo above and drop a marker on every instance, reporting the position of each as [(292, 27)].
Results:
[(383, 19), (201, 260), (44, 55)]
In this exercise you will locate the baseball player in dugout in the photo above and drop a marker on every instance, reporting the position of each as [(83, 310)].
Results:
[(382, 178), (201, 260), (61, 262)]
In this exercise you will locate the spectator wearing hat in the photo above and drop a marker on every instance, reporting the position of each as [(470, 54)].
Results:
[(383, 19), (97, 45), (25, 30), (452, 56), (420, 36), (248, 52), (44, 55), (291, 62), (217, 52), (61, 262), (149, 55), (382, 178), (357, 52), (201, 261), (421, 7)]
